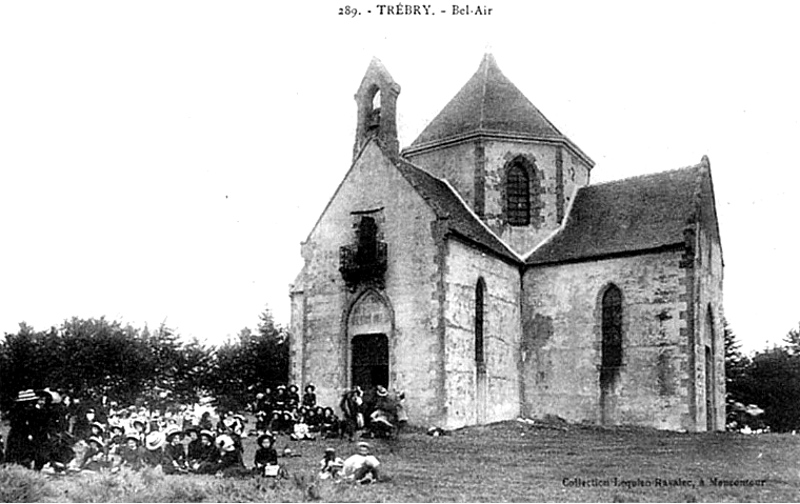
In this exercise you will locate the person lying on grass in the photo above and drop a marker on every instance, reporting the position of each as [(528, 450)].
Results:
[(361, 467)]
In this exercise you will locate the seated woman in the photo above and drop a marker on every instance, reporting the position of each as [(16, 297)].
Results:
[(206, 455), (383, 418), (287, 422), (95, 459), (310, 397), (116, 438), (275, 423), (314, 418), (194, 446), (329, 425), (229, 464), (174, 452), (153, 454)]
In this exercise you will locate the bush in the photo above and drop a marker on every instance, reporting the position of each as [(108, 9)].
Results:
[(18, 484)]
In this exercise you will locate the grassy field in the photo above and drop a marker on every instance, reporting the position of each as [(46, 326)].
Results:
[(511, 461)]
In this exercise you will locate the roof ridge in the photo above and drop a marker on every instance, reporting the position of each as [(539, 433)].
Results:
[(634, 214), (485, 64), (642, 176)]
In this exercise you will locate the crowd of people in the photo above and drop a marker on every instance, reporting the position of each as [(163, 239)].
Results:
[(52, 433), (284, 411)]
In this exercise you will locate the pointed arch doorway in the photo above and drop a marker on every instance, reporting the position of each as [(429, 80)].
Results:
[(370, 365), (370, 326)]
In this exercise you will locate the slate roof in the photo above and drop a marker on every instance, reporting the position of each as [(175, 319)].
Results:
[(623, 216), (489, 103), (445, 203)]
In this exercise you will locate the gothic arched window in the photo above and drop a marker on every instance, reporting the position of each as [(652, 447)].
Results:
[(479, 293), (518, 198), (612, 328), (611, 352)]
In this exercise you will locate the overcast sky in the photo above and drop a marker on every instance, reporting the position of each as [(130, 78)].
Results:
[(162, 161)]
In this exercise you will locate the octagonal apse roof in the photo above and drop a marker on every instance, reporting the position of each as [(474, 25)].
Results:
[(490, 104)]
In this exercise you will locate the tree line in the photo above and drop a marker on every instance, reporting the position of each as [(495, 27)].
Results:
[(91, 358), (769, 379)]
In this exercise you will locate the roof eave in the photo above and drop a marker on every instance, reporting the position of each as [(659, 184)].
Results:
[(496, 135), (669, 247)]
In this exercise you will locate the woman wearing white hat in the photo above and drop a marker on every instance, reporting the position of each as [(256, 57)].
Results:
[(154, 449), (230, 461), (19, 448)]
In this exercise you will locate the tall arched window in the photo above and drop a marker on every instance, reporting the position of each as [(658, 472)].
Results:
[(518, 198), (611, 353), (612, 329), (479, 354)]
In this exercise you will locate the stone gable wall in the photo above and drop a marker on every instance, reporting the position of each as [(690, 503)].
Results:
[(321, 301), (561, 346)]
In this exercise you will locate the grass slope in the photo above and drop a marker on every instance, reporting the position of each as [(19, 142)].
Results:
[(510, 461)]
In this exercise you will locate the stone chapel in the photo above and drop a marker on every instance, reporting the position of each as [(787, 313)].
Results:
[(479, 271)]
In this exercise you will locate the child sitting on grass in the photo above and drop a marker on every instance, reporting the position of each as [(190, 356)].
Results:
[(131, 453), (95, 457), (174, 452), (301, 431), (266, 457), (330, 465)]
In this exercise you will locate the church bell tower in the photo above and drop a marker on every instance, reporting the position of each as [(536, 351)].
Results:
[(376, 99)]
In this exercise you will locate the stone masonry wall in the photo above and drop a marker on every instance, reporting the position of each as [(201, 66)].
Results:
[(709, 333), (562, 340), (455, 163), (576, 174), (708, 310), (320, 341), (465, 163), (465, 265)]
